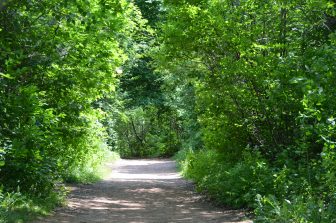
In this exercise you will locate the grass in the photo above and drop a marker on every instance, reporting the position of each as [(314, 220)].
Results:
[(16, 207)]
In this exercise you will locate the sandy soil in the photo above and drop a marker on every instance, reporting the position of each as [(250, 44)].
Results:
[(141, 191)]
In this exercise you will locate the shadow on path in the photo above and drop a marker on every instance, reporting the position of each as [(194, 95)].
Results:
[(140, 191)]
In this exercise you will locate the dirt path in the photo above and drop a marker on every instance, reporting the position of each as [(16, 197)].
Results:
[(148, 191)]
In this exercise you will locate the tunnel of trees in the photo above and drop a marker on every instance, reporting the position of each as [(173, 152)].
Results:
[(242, 92)]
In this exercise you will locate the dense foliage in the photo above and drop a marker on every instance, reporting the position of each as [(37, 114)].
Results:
[(57, 59), (243, 89), (146, 124), (263, 74)]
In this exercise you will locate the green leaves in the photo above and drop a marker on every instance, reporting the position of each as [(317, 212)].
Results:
[(263, 75), (6, 76), (2, 157), (57, 59)]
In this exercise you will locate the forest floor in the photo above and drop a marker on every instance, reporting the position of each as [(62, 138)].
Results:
[(149, 191)]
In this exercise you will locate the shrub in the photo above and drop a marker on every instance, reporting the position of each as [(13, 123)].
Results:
[(18, 207), (300, 209), (234, 184)]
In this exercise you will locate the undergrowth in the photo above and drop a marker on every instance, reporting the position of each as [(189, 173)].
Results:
[(278, 195), (19, 207), (93, 170), (16, 207)]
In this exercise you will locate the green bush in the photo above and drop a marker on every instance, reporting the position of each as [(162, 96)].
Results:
[(235, 184), (93, 153), (16, 207), (300, 209), (292, 193)]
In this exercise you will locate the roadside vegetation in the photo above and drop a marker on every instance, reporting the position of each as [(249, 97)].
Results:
[(263, 77)]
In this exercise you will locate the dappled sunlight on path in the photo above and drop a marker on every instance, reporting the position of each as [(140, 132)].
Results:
[(140, 191)]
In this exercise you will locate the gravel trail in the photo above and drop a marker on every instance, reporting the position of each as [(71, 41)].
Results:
[(141, 191)]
